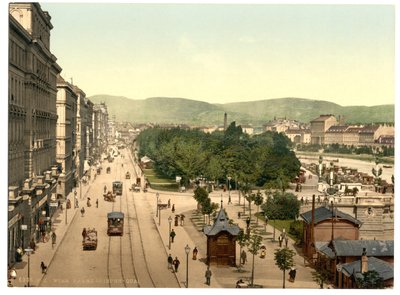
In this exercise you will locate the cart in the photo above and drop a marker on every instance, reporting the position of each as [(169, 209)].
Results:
[(108, 170), (109, 197), (90, 240), (128, 175)]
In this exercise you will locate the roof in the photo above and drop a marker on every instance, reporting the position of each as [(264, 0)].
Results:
[(383, 268), (221, 223), (146, 159), (355, 247), (337, 129), (323, 118), (323, 247), (323, 213), (115, 214)]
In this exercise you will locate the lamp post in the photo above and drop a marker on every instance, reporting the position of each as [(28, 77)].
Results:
[(28, 252), (319, 168), (157, 195), (169, 232), (187, 250), (229, 189)]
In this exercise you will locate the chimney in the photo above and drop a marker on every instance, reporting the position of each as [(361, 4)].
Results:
[(364, 261)]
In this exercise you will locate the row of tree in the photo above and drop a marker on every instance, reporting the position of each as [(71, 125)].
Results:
[(262, 160)]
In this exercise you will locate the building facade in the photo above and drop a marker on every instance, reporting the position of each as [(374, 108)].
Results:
[(32, 124), (66, 136), (319, 126)]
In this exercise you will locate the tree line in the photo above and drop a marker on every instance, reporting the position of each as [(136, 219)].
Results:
[(263, 160)]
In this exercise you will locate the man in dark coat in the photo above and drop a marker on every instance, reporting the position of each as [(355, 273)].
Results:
[(176, 263), (170, 261), (208, 275), (172, 235)]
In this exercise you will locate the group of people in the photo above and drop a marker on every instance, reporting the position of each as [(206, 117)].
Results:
[(173, 263)]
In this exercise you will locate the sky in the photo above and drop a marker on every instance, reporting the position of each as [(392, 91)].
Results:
[(228, 51)]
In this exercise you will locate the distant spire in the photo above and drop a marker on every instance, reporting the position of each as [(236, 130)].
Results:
[(225, 121)]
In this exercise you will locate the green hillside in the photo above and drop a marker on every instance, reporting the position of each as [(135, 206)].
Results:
[(182, 110)]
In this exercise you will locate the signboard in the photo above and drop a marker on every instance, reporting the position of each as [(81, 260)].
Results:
[(53, 204), (24, 227)]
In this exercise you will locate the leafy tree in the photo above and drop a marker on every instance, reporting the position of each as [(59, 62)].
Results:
[(253, 247), (321, 277), (284, 260), (281, 206), (370, 280), (209, 208), (200, 195), (242, 240), (258, 200)]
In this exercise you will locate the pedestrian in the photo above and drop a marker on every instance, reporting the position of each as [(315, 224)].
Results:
[(169, 203), (286, 241), (43, 267), (239, 215), (208, 275), (182, 219), (195, 251), (32, 244), (172, 235), (53, 239), (97, 203), (243, 257), (170, 261), (176, 263), (18, 254), (173, 208), (248, 221), (292, 274), (302, 200), (84, 234), (105, 189), (280, 239), (82, 211)]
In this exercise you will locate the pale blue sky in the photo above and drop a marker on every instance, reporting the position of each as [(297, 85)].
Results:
[(228, 52)]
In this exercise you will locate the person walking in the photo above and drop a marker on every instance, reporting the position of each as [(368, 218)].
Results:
[(170, 261), (248, 222), (53, 240), (43, 267), (97, 203), (195, 251), (84, 234), (243, 257), (169, 203), (83, 211), (176, 263), (172, 235), (173, 208), (208, 275), (280, 240)]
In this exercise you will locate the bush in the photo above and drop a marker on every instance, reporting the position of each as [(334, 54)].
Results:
[(296, 230)]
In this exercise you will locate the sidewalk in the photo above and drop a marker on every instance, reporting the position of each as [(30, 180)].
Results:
[(267, 273), (45, 251)]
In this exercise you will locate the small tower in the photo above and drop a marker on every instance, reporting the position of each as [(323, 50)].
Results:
[(225, 121)]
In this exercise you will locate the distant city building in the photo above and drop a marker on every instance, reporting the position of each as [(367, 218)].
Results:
[(299, 135), (319, 126), (248, 129)]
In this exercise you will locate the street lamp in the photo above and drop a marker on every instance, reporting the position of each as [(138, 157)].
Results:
[(28, 252), (187, 250), (169, 232), (320, 168), (157, 195), (229, 189)]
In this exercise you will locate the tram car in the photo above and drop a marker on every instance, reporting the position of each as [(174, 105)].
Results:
[(117, 187), (115, 222)]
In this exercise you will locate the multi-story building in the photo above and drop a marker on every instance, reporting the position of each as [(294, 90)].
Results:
[(319, 126), (87, 123), (80, 135), (335, 134), (281, 125), (66, 136), (100, 128), (32, 124), (299, 135)]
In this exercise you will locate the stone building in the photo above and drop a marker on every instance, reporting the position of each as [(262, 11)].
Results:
[(80, 134), (319, 126), (100, 128), (66, 136), (32, 124), (299, 135), (335, 134)]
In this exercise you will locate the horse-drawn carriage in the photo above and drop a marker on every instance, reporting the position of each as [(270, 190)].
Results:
[(109, 197), (135, 188), (98, 170), (128, 175), (90, 240), (108, 170)]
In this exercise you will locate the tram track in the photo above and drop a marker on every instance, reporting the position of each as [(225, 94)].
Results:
[(136, 227)]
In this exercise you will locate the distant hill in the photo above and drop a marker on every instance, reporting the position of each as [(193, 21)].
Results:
[(188, 111)]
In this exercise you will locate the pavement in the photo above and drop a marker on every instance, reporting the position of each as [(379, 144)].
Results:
[(45, 251)]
